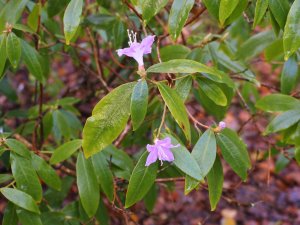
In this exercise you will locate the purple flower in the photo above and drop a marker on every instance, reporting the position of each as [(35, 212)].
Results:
[(137, 50), (222, 125), (160, 150)]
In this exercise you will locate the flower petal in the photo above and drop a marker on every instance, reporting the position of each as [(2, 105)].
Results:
[(152, 157), (165, 154), (146, 44), (151, 148)]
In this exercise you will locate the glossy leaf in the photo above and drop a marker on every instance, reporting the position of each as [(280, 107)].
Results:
[(20, 199), (139, 102), (56, 6), (10, 215), (5, 177), (297, 154), (213, 7), (46, 172), (72, 19), (279, 9), (141, 180), (204, 152), (255, 45), (234, 152), (176, 107), (150, 198), (170, 52), (33, 61), (3, 53), (150, 8), (18, 147), (178, 16), (226, 9), (13, 49), (25, 176), (215, 180), (109, 118), (88, 187), (28, 218), (283, 121), (213, 92), (33, 18), (260, 10), (64, 151), (277, 103), (289, 75), (104, 174), (291, 36), (183, 87), (237, 12), (184, 160), (191, 66)]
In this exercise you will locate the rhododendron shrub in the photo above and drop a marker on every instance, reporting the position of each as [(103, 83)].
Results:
[(104, 101)]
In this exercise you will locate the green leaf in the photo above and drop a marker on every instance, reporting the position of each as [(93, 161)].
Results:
[(64, 151), (277, 103), (226, 9), (260, 10), (178, 16), (46, 172), (28, 218), (204, 152), (237, 12), (72, 19), (184, 160), (139, 102), (215, 180), (11, 12), (3, 53), (234, 152), (13, 49), (279, 9), (190, 66), (18, 147), (176, 107), (291, 36), (5, 177), (213, 92), (150, 8), (25, 176), (10, 215), (88, 187), (104, 174), (174, 52), (274, 23), (20, 199), (33, 61), (141, 180), (289, 75), (119, 34), (60, 128), (213, 7), (183, 87), (54, 7), (297, 154), (108, 119), (255, 45), (33, 18), (283, 121), (150, 198)]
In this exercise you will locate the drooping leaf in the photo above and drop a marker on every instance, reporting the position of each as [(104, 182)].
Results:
[(46, 172), (104, 174), (277, 103), (10, 215), (283, 121), (141, 180), (183, 87), (234, 152), (291, 36), (20, 199), (150, 198), (260, 10), (215, 180), (139, 102), (25, 176), (279, 9), (13, 49), (150, 8), (28, 218), (108, 119), (3, 53), (289, 75), (72, 19), (176, 107), (178, 16), (64, 151), (56, 6), (213, 92), (226, 9), (33, 18), (88, 187), (18, 147), (213, 7), (184, 161)]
